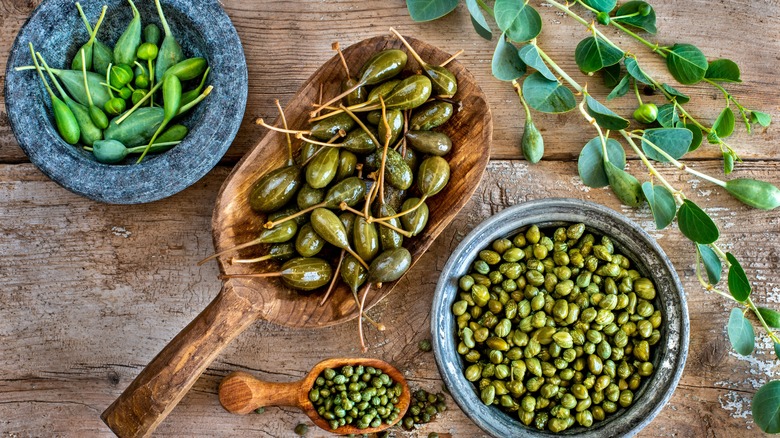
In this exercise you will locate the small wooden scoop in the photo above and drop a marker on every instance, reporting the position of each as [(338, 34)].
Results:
[(241, 393)]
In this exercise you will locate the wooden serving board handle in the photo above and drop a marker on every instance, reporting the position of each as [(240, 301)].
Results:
[(242, 393), (163, 383)]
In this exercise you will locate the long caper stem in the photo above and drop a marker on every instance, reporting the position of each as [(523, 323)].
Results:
[(261, 122), (197, 100), (54, 80), (416, 56), (94, 32), (330, 142), (335, 46), (451, 58), (257, 275), (84, 71), (361, 306), (360, 123), (40, 72), (334, 279), (84, 18), (358, 107), (151, 80), (648, 164), (392, 227), (270, 224), (290, 160), (108, 80), (356, 256), (680, 165), (229, 250), (254, 260), (384, 153), (405, 212), (139, 103), (345, 207), (370, 199), (314, 114)]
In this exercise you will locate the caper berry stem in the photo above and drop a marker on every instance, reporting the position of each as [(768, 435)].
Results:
[(186, 107), (84, 71), (151, 80), (362, 306), (290, 160), (360, 123), (397, 215), (382, 167), (334, 279), (636, 92), (140, 102), (253, 260), (650, 166), (381, 222), (235, 248), (413, 52), (335, 46), (108, 75), (261, 122), (451, 58)]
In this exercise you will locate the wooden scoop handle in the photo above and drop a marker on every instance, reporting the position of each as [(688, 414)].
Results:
[(163, 383), (242, 393)]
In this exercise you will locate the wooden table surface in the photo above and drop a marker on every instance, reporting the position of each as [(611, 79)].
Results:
[(90, 293)]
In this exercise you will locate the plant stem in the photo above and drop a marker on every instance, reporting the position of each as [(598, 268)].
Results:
[(558, 69), (649, 165), (769, 331), (651, 46), (636, 91)]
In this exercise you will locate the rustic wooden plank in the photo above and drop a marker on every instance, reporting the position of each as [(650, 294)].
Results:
[(285, 42), (92, 292)]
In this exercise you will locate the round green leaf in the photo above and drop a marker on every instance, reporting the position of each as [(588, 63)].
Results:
[(695, 224), (620, 89), (646, 23), (755, 193), (686, 63), (697, 136), (604, 116), (777, 350), (601, 5), (481, 25), (427, 10), (724, 124), (761, 118), (593, 53), (520, 21), (667, 116), (611, 75), (679, 96), (723, 70), (507, 66), (661, 203), (590, 164), (711, 263), (766, 405), (624, 185), (739, 285), (741, 335), (673, 141), (547, 96), (771, 317), (530, 55), (635, 71)]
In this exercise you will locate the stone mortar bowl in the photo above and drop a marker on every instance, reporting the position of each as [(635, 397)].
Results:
[(56, 30), (668, 356)]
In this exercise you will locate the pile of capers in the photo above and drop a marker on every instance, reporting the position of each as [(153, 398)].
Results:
[(361, 396), (557, 329), (423, 408), (352, 189)]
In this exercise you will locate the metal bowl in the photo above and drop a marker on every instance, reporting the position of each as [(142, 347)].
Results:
[(55, 29), (668, 357)]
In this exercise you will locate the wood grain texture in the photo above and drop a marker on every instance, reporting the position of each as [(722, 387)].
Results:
[(91, 292)]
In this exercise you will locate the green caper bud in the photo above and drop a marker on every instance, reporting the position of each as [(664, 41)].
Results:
[(481, 267), (564, 288), (480, 295), (472, 356), (496, 343), (502, 371), (645, 369), (532, 235), (584, 418), (496, 357), (642, 351), (588, 315), (626, 398), (654, 337), (644, 288), (563, 339), (488, 395), (528, 403), (466, 282), (460, 307), (575, 231), (488, 371), (534, 366), (644, 309), (656, 319), (490, 257), (595, 365), (644, 328)]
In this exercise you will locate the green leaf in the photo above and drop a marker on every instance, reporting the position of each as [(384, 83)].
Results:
[(724, 124), (624, 185), (766, 405), (711, 262), (679, 96), (777, 350), (481, 25), (695, 224), (686, 63), (661, 203), (667, 116), (646, 23), (771, 317), (635, 71), (621, 89), (697, 136), (741, 335), (604, 116), (739, 285), (427, 10), (520, 21), (601, 5), (590, 164), (611, 75), (530, 55), (761, 118), (593, 53), (547, 96), (507, 66), (723, 70), (673, 141)]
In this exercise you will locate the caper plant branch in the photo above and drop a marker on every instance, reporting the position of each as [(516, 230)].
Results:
[(678, 194), (566, 8), (654, 47)]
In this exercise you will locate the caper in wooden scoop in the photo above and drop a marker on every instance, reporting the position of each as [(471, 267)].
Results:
[(242, 393)]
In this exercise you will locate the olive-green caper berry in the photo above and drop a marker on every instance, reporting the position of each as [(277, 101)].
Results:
[(466, 282), (501, 245), (490, 257)]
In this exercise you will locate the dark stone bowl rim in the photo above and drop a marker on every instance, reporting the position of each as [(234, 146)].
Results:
[(157, 177), (649, 402)]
